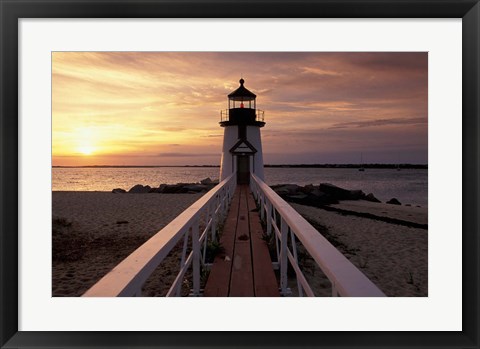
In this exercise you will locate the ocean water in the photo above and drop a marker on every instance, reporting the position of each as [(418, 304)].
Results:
[(408, 185)]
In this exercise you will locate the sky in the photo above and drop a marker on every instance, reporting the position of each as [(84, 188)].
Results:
[(163, 108)]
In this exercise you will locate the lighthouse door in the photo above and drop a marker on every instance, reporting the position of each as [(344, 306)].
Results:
[(243, 169)]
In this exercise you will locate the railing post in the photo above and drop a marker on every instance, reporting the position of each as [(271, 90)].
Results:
[(283, 256), (262, 207), (214, 224), (253, 187), (225, 203), (269, 218), (334, 290), (196, 258), (182, 261), (222, 205), (295, 257)]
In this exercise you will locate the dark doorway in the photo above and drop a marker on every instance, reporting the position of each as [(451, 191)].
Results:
[(243, 169)]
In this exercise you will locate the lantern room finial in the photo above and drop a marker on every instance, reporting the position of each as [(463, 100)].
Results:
[(241, 93)]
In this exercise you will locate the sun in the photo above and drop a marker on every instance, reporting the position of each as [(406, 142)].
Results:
[(86, 150)]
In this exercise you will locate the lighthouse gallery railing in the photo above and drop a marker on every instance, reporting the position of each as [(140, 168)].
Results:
[(259, 115), (286, 223), (128, 277)]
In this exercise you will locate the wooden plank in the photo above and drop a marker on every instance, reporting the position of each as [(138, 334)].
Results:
[(249, 271), (265, 282), (241, 284), (218, 282)]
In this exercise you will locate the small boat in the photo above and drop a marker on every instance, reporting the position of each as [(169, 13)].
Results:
[(361, 168)]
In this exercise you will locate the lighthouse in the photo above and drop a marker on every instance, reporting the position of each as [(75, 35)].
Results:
[(242, 145)]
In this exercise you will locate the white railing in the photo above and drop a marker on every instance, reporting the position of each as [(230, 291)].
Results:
[(286, 223), (200, 221)]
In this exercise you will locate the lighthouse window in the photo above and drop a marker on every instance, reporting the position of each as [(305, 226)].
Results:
[(241, 104)]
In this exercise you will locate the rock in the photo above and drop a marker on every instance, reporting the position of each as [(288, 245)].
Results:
[(207, 180), (118, 191), (178, 188), (299, 196), (286, 189), (317, 192), (356, 195), (371, 197), (160, 189), (394, 201), (173, 189), (309, 188), (211, 184), (196, 188), (140, 189), (281, 191), (318, 198), (338, 193)]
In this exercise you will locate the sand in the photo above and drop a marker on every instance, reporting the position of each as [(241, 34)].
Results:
[(392, 256), (94, 231), (406, 213)]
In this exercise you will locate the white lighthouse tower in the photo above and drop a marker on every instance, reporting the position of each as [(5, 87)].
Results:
[(242, 145)]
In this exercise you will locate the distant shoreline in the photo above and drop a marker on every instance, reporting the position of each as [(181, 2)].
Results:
[(374, 166)]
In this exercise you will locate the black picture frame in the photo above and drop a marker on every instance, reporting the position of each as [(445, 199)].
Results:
[(11, 11)]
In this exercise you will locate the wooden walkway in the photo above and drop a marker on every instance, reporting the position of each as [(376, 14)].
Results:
[(244, 269)]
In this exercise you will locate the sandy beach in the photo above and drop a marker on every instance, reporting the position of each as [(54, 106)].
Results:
[(393, 256), (414, 214), (94, 231)]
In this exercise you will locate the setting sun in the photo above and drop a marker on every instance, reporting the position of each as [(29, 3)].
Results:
[(86, 150)]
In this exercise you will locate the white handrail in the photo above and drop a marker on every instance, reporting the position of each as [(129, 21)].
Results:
[(347, 280), (128, 277)]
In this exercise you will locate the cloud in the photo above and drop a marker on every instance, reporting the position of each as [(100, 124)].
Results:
[(141, 102), (213, 136), (184, 155), (380, 122), (319, 71)]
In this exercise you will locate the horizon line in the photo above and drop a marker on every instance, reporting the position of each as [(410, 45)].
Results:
[(353, 165)]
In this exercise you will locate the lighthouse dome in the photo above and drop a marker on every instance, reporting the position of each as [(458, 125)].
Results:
[(242, 93)]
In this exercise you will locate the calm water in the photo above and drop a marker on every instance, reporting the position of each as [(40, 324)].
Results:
[(409, 186)]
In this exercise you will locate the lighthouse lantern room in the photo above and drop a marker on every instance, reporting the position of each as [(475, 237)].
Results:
[(242, 145)]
